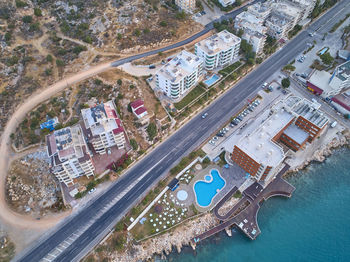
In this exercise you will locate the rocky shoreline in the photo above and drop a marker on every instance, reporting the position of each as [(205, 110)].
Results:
[(163, 244)]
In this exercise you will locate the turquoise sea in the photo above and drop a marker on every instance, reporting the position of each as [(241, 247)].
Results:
[(313, 225)]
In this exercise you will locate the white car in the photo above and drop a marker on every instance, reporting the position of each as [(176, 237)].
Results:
[(92, 190)]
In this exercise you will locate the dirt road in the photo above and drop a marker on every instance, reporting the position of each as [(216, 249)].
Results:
[(7, 215)]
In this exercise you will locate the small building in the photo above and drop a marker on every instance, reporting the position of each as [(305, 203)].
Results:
[(226, 3), (218, 50), (327, 85), (279, 24), (342, 102), (138, 108)]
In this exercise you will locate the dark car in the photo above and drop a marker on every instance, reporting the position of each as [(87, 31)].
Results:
[(220, 134), (152, 67)]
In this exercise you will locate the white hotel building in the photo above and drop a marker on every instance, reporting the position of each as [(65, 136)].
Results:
[(218, 50), (103, 128), (179, 75)]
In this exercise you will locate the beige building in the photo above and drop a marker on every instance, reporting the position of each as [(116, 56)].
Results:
[(186, 5), (103, 128), (69, 154), (279, 24)]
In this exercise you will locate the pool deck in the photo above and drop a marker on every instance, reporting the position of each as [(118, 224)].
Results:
[(246, 219), (233, 176)]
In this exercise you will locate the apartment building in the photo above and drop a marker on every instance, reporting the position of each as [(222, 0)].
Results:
[(187, 6), (254, 31), (289, 9), (179, 75), (103, 128), (292, 122), (260, 10), (218, 50), (69, 154), (278, 24), (306, 7), (327, 85)]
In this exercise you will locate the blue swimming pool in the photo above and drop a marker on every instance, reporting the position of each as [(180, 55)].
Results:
[(205, 190), (211, 80)]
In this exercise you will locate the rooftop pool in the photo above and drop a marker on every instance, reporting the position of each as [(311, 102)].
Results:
[(211, 80), (206, 190)]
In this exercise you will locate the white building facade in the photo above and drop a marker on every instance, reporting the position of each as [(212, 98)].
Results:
[(187, 6), (69, 154), (218, 50), (226, 3), (103, 127), (179, 75)]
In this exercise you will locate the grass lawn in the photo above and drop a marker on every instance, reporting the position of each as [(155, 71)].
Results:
[(193, 94)]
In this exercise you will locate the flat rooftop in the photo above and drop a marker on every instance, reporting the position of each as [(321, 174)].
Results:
[(221, 41), (182, 65), (343, 100), (296, 133), (310, 111), (343, 71), (101, 118), (259, 145)]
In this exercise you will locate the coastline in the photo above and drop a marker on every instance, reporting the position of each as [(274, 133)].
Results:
[(179, 237)]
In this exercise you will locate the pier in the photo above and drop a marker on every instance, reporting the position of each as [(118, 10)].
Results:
[(248, 207)]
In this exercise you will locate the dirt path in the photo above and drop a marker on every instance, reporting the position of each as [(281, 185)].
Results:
[(6, 214)]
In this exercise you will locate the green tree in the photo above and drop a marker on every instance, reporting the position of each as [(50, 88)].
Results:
[(49, 58), (34, 27), (20, 4), (137, 32), (285, 82), (27, 19), (37, 12), (327, 58), (119, 82), (151, 131), (60, 63), (134, 144), (8, 36), (163, 24), (119, 36)]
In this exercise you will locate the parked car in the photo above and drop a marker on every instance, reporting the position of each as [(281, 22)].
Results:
[(152, 67), (220, 134), (92, 190), (215, 138)]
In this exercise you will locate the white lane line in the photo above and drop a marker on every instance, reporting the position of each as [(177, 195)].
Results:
[(49, 254), (47, 259)]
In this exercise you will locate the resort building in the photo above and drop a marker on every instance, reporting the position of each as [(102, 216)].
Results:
[(292, 122), (260, 10), (326, 85), (226, 3), (69, 154), (187, 6), (279, 24), (103, 128), (218, 50), (179, 75)]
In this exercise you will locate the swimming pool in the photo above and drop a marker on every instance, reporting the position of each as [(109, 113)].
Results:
[(206, 190), (211, 80)]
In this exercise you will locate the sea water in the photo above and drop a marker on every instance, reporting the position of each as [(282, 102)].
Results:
[(313, 225)]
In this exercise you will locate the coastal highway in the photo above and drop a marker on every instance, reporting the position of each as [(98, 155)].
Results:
[(93, 222)]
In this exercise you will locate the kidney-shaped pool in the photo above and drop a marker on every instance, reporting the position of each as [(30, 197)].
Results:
[(206, 190)]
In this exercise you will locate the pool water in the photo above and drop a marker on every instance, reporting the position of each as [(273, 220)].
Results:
[(205, 191), (211, 80)]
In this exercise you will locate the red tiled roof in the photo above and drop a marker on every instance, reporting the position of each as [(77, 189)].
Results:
[(140, 110), (316, 89), (118, 130), (136, 104), (341, 100)]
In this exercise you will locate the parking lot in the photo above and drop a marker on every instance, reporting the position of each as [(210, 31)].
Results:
[(243, 123)]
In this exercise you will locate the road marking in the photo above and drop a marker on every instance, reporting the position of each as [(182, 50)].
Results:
[(59, 250), (47, 259), (49, 254)]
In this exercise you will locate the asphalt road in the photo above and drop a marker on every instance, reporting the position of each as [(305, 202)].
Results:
[(166, 155)]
